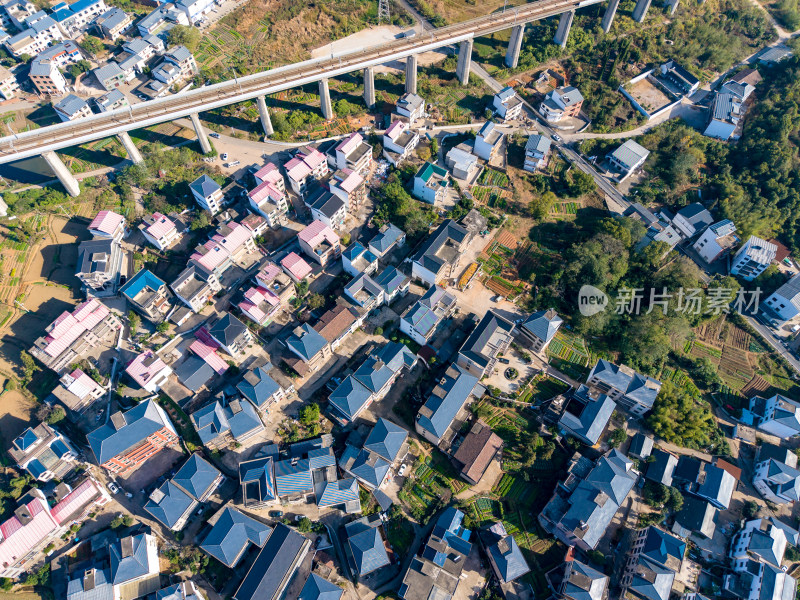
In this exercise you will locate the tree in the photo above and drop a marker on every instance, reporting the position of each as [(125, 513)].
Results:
[(183, 34), (309, 414), (316, 301), (305, 525), (10, 385), (750, 509), (379, 331), (546, 451), (6, 584), (56, 415), (345, 239), (675, 500), (655, 494), (93, 45), (423, 152), (580, 183), (133, 321), (679, 418), (28, 366), (200, 221), (539, 207), (434, 147), (302, 288), (162, 327), (618, 436)]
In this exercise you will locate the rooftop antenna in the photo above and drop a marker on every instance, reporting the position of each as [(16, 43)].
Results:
[(383, 11)]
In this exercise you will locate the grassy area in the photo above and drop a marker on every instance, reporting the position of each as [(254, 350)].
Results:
[(433, 481)]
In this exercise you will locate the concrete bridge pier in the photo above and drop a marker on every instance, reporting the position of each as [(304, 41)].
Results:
[(640, 12), (205, 145), (515, 46), (608, 17), (61, 171), (130, 148), (464, 61), (564, 25), (325, 99), (672, 5), (263, 112), (411, 75), (369, 87)]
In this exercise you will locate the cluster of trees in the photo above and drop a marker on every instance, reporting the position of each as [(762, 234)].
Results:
[(185, 35), (681, 418), (395, 205), (659, 495)]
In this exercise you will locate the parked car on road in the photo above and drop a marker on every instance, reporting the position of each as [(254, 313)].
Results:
[(214, 135), (113, 487)]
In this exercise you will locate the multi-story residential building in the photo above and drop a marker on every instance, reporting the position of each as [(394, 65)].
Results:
[(461, 162), (326, 207), (183, 60), (230, 244), (232, 335), (370, 460), (307, 165), (692, 219), (279, 283), (337, 323), (47, 78), (196, 287), (14, 13), (356, 259), (309, 348), (370, 382), (110, 76), (778, 415), (73, 19), (71, 107), (160, 231), (354, 153), (775, 474), (507, 104), (537, 150), (716, 241), (422, 319), (410, 107), (231, 535), (260, 305), (350, 186), (584, 504), (135, 567), (632, 391), (365, 292), (784, 303), (753, 258), (476, 452), (173, 503), (394, 283), (8, 84), (108, 224), (320, 243), (295, 267), (111, 101), (366, 544), (725, 116), (162, 19), (74, 333), (564, 102), (582, 582), (652, 562), (226, 420), (488, 141), (399, 141), (431, 183), (148, 295), (445, 410), (388, 237), (628, 157), (35, 524), (427, 577), (149, 371), (538, 330), (112, 23), (99, 265), (269, 173), (77, 391), (586, 415), (43, 452), (130, 438), (489, 339), (438, 257), (195, 9), (261, 389), (678, 77), (35, 38), (270, 202), (505, 556), (207, 193)]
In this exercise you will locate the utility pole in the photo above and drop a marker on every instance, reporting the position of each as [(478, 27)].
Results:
[(383, 11)]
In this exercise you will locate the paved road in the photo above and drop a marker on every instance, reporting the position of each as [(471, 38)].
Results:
[(775, 342)]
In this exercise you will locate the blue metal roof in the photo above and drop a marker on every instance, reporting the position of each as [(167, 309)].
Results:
[(26, 440), (231, 534), (101, 590), (172, 506), (60, 448), (320, 458), (508, 558), (369, 552), (293, 477), (386, 439), (449, 527), (258, 386), (339, 492), (308, 343), (244, 421), (143, 279), (196, 476), (141, 421), (129, 566), (458, 387), (36, 468), (349, 397), (317, 588)]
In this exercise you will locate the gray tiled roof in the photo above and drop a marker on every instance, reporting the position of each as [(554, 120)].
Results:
[(273, 566), (308, 344), (205, 186), (97, 587), (586, 417), (70, 104), (349, 397), (630, 153), (257, 386), (426, 256), (718, 485), (140, 422), (172, 504), (475, 347), (317, 588), (228, 330), (582, 582), (543, 324), (194, 372), (457, 386), (369, 552), (652, 581), (507, 555), (210, 421), (128, 565)]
